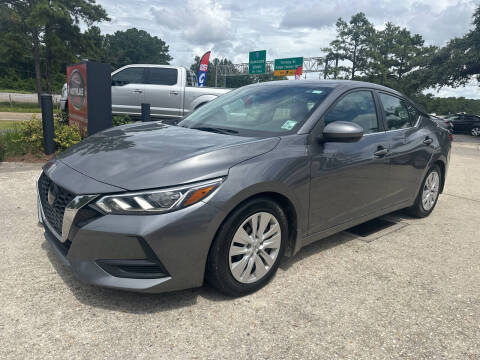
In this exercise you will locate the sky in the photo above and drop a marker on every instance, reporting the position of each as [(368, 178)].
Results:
[(285, 28)]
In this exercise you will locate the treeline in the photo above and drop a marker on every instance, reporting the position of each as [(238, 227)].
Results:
[(39, 38), (396, 58), (447, 105)]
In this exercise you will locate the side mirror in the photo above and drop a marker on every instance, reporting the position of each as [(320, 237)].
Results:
[(342, 131)]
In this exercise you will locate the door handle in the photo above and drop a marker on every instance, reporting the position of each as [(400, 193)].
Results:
[(138, 91), (173, 92), (428, 141), (381, 151)]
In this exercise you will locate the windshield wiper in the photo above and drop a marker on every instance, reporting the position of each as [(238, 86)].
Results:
[(216, 130)]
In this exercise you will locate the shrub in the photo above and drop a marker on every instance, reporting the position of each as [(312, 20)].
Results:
[(27, 137), (118, 120), (30, 136), (62, 117), (66, 136)]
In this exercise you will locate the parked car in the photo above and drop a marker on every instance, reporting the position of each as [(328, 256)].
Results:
[(465, 124), (248, 178), (64, 98), (171, 91)]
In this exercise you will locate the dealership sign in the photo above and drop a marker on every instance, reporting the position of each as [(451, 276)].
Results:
[(257, 61), (77, 96), (288, 66), (89, 96)]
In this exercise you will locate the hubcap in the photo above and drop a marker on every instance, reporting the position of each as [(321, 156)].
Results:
[(430, 190), (255, 247), (475, 131)]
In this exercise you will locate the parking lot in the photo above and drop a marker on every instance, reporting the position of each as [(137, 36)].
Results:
[(409, 291)]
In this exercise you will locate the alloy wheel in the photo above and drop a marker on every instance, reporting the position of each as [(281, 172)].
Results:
[(255, 247), (430, 190), (475, 131)]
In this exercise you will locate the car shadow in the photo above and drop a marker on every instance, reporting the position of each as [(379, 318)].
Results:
[(316, 247), (131, 302)]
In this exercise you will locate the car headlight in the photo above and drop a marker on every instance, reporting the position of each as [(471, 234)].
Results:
[(158, 201)]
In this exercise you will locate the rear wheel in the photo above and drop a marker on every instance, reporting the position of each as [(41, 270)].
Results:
[(475, 131), (248, 247), (428, 194)]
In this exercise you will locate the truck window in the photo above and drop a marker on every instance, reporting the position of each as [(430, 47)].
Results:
[(132, 75), (190, 78), (162, 76)]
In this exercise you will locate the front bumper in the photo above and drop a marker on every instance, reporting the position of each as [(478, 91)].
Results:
[(176, 244)]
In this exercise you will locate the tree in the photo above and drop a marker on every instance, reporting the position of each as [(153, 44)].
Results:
[(335, 54), (355, 37), (397, 59), (45, 22), (459, 61), (136, 46)]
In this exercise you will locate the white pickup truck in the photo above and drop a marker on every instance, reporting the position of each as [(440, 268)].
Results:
[(171, 91)]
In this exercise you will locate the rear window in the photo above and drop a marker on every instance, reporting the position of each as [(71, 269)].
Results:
[(162, 76)]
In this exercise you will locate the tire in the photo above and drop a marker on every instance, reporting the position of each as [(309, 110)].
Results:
[(420, 208), (475, 131), (225, 267)]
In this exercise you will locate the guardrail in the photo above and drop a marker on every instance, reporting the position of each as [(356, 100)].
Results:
[(24, 98)]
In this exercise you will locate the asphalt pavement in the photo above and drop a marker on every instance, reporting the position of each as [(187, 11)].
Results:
[(411, 291)]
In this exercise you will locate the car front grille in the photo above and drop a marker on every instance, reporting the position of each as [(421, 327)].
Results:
[(59, 199)]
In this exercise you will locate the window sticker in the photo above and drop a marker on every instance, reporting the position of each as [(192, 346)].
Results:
[(289, 124)]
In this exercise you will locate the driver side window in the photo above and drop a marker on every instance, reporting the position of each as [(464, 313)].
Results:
[(357, 107), (132, 75)]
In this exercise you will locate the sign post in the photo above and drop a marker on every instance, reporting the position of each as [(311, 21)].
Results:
[(288, 66), (89, 96), (47, 124), (257, 61)]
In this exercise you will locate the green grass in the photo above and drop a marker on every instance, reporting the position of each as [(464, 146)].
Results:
[(17, 91), (7, 124), (19, 107)]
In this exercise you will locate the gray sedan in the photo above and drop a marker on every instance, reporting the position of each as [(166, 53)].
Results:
[(248, 178)]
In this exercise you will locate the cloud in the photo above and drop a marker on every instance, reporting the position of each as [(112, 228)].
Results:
[(435, 21), (200, 22), (285, 28), (438, 25), (321, 14)]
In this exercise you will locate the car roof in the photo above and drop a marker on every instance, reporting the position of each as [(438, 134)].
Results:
[(345, 84)]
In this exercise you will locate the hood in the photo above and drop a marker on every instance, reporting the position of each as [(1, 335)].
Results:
[(144, 156)]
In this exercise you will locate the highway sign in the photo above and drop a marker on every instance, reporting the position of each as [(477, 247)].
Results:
[(287, 67), (256, 62)]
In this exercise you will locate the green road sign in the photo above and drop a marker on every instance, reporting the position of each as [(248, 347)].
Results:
[(256, 62), (284, 67)]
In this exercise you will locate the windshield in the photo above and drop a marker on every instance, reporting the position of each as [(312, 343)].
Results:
[(269, 110)]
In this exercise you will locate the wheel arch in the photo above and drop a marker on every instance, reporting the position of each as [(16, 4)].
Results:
[(287, 206), (202, 100)]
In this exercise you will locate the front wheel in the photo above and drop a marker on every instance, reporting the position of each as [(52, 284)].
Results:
[(428, 194), (475, 131), (248, 247)]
